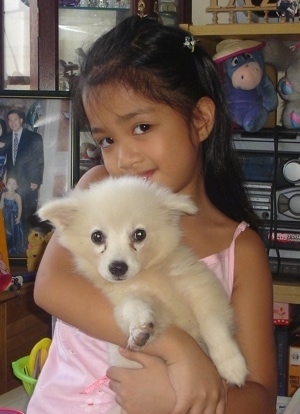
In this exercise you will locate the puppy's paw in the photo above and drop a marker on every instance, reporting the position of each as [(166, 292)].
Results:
[(139, 335), (234, 369), (138, 320)]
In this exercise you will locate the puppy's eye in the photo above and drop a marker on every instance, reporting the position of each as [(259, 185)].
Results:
[(98, 237), (139, 235)]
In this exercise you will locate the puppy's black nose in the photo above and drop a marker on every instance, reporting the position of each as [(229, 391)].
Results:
[(118, 268)]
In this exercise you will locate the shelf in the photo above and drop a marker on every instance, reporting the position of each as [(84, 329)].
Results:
[(217, 32), (95, 8), (286, 292), (22, 324)]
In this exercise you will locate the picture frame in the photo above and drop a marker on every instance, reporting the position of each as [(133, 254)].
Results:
[(89, 152), (46, 161)]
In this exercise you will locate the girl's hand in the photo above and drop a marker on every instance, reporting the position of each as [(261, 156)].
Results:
[(197, 385), (147, 390)]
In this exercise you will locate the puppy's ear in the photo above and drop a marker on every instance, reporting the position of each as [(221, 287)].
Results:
[(180, 203), (59, 212)]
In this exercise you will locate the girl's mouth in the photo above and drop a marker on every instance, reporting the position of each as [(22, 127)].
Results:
[(146, 175)]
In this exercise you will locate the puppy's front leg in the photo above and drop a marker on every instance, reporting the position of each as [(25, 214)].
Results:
[(137, 317)]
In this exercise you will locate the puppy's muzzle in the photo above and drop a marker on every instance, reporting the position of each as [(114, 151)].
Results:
[(118, 269)]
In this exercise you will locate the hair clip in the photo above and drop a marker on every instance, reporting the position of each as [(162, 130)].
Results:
[(189, 42)]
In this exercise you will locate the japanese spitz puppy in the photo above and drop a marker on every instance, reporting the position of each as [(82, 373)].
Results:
[(124, 234)]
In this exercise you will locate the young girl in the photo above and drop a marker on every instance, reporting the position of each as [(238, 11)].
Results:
[(11, 205), (155, 106)]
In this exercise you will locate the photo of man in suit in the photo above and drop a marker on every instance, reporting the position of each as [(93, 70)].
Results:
[(25, 162)]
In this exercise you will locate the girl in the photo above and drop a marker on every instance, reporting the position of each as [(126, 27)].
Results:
[(154, 104), (11, 205)]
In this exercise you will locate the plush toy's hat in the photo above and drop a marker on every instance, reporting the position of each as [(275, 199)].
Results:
[(229, 48)]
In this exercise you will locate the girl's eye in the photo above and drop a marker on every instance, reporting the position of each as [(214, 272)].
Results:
[(139, 235), (141, 129), (105, 142), (98, 237)]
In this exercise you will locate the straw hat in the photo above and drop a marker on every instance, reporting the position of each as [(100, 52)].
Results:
[(233, 47)]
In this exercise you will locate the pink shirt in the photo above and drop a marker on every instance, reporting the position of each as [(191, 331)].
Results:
[(77, 360)]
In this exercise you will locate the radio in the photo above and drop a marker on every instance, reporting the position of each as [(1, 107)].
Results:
[(270, 163)]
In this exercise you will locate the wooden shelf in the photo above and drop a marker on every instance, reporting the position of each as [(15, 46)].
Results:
[(22, 324), (286, 292), (217, 32)]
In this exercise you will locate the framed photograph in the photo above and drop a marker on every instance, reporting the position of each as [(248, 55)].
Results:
[(38, 159), (89, 152)]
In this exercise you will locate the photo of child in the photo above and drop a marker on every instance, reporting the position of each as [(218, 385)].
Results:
[(11, 206)]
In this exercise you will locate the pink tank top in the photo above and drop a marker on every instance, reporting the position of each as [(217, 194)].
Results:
[(223, 263), (77, 360)]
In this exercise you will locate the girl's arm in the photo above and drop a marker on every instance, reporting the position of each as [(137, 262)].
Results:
[(195, 379), (252, 300), (19, 203), (74, 298)]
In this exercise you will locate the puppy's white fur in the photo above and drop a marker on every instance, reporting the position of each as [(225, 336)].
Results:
[(125, 237)]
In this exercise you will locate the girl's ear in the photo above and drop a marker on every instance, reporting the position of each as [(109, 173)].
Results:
[(204, 117)]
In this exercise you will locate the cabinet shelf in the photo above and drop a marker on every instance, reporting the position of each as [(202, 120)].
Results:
[(217, 32), (22, 324), (286, 292), (95, 9)]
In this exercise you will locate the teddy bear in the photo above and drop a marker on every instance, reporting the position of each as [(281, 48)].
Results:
[(37, 242), (35, 249), (287, 60), (249, 92)]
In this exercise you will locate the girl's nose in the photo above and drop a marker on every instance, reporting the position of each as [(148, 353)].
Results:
[(128, 156)]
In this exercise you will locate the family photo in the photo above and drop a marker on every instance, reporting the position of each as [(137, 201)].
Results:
[(35, 161)]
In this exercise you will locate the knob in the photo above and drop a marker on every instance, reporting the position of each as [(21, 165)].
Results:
[(291, 171), (295, 204)]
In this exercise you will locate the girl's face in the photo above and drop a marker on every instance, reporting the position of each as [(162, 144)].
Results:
[(140, 137), (11, 184)]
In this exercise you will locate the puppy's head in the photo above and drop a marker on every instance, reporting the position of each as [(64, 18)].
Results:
[(119, 226)]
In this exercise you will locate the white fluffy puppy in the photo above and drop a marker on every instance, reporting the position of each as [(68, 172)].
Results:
[(124, 234)]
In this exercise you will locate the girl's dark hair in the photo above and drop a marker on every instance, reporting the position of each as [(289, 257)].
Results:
[(151, 59)]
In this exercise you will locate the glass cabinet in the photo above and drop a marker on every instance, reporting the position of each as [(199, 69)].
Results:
[(16, 44), (79, 26), (42, 41)]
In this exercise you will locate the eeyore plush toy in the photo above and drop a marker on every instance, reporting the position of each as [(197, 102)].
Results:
[(249, 91)]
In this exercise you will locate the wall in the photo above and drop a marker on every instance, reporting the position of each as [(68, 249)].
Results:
[(200, 16)]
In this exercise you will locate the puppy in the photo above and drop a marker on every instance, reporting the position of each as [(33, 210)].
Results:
[(124, 234)]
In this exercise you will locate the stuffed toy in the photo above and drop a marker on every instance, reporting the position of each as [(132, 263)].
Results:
[(90, 151), (287, 9), (37, 242), (35, 249), (249, 91), (286, 59), (5, 276)]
